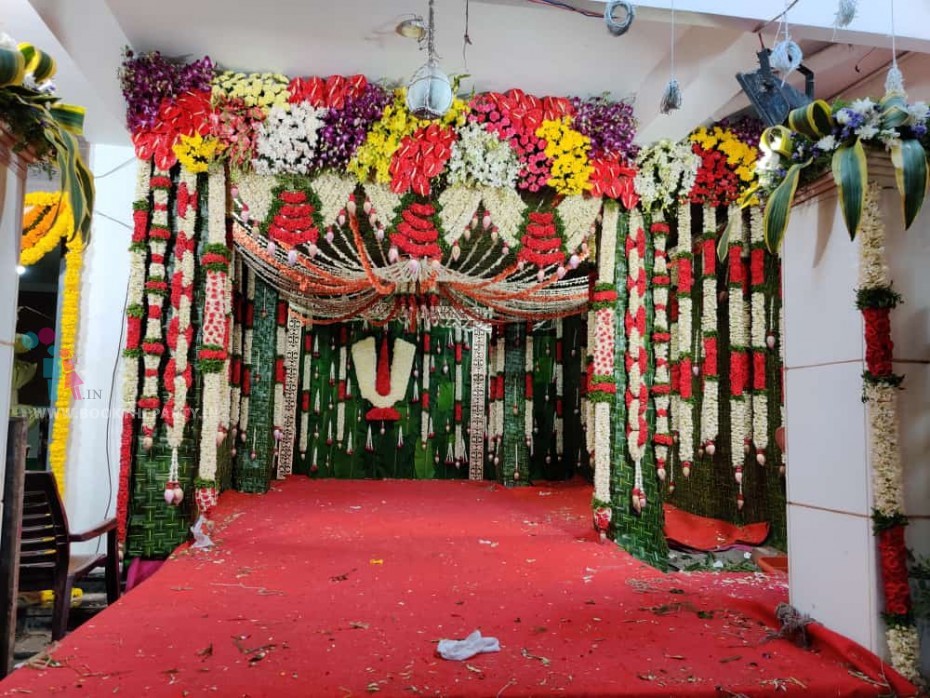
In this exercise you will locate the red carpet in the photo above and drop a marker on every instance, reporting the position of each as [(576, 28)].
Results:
[(342, 588), (701, 533)]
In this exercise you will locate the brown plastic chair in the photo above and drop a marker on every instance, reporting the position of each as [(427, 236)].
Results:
[(45, 550)]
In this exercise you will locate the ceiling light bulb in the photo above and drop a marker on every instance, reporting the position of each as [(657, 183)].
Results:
[(20, 269), (412, 28)]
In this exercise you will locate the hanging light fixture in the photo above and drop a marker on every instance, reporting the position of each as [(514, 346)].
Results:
[(412, 28), (429, 94)]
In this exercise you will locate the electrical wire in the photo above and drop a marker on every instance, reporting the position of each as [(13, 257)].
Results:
[(566, 6), (115, 169)]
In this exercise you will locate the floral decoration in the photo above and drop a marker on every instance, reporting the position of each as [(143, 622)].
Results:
[(287, 139), (876, 298), (481, 159), (568, 151), (262, 90), (666, 172), (47, 220)]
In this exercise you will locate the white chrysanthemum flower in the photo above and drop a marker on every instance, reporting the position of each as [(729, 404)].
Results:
[(867, 132), (827, 143), (863, 106), (918, 112)]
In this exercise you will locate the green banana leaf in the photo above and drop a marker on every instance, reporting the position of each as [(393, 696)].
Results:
[(814, 121), (894, 110), (850, 172), (723, 244), (778, 208), (912, 174)]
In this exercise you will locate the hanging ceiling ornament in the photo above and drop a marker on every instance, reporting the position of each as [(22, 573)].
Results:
[(619, 27), (894, 81), (787, 55), (671, 97), (846, 13), (429, 94)]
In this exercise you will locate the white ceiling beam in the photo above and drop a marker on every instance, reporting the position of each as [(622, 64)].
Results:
[(706, 81), (809, 19)]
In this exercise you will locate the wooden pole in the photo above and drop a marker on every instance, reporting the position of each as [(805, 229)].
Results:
[(10, 533)]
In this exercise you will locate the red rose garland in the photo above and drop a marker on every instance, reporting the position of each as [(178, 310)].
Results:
[(637, 358)]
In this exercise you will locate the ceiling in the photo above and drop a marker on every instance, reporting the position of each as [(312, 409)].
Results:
[(515, 43)]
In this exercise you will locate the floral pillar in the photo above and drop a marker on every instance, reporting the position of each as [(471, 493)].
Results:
[(876, 299), (603, 385)]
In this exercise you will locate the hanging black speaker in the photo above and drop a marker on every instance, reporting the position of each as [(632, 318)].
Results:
[(771, 96)]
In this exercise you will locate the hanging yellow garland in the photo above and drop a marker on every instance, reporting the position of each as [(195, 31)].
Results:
[(67, 338), (47, 220)]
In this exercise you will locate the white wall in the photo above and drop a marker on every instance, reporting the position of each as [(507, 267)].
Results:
[(93, 454)]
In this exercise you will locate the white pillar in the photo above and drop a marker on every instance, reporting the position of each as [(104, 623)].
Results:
[(833, 566), (12, 181), (93, 450)]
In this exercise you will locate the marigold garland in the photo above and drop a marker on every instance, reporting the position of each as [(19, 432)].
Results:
[(67, 341), (45, 225)]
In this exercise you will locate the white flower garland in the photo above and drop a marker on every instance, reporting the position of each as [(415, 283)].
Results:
[(661, 341), (740, 417), (247, 338), (184, 266), (710, 406), (426, 419), (383, 203), (153, 326), (458, 204), (341, 405), (136, 291), (305, 391), (333, 191), (687, 359), (287, 140), (758, 328), (579, 217), (602, 451), (255, 192), (636, 351), (278, 407), (506, 208), (904, 648), (481, 159), (365, 361), (530, 361), (235, 391), (213, 382)]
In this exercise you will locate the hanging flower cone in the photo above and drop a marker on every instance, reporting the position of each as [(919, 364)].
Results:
[(541, 245), (415, 234), (294, 218)]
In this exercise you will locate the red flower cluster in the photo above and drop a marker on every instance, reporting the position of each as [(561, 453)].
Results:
[(293, 223), (541, 244), (717, 184), (614, 180), (415, 234), (191, 113), (329, 93), (893, 555), (421, 157), (878, 345)]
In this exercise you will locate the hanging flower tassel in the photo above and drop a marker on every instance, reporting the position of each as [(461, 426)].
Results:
[(845, 14), (369, 444), (671, 97)]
